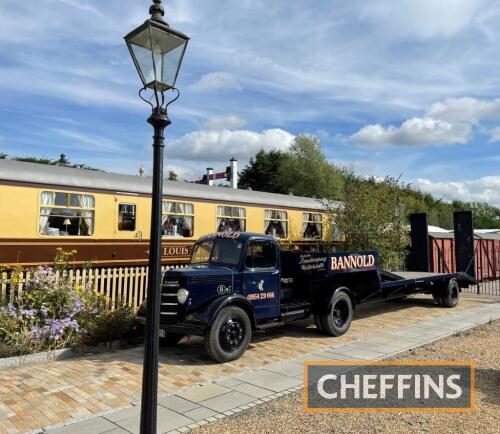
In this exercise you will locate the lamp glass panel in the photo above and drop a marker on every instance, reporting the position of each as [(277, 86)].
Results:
[(140, 45), (168, 50)]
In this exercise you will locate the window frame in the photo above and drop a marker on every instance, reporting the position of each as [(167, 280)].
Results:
[(320, 222), (176, 213), (286, 220), (71, 207), (257, 241), (221, 216), (135, 217)]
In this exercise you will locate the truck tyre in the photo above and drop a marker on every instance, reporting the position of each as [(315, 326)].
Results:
[(451, 295), (338, 320), (319, 325), (171, 339), (229, 335)]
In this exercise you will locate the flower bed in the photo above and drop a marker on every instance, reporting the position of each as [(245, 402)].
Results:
[(52, 313)]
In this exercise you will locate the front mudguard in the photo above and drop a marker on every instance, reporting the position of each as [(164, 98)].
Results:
[(209, 314)]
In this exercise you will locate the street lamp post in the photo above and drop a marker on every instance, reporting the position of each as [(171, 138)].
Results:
[(157, 51)]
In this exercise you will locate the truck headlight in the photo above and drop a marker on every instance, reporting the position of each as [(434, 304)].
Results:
[(182, 295)]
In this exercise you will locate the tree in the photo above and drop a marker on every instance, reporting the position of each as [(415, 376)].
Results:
[(37, 160), (172, 176), (485, 216), (3, 156), (264, 173), (370, 218), (63, 161), (309, 173), (302, 171)]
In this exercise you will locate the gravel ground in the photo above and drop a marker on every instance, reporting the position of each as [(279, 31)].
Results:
[(482, 344)]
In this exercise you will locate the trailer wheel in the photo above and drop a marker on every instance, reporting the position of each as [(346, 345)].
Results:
[(319, 325), (452, 294), (229, 335), (338, 320), (171, 339)]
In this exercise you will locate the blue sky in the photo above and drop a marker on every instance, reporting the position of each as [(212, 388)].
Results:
[(407, 87)]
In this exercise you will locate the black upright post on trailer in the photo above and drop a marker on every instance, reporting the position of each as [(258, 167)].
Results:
[(464, 242), (159, 121), (419, 258)]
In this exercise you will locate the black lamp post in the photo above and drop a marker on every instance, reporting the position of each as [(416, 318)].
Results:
[(157, 51)]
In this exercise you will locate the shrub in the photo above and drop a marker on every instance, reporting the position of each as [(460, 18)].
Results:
[(109, 325), (55, 313)]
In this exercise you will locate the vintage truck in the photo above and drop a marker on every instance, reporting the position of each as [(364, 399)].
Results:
[(239, 282)]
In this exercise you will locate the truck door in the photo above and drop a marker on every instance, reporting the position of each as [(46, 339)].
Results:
[(261, 278)]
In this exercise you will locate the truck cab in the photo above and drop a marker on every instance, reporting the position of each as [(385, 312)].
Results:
[(238, 282)]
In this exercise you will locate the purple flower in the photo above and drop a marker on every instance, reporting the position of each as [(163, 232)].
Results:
[(10, 310), (53, 330), (28, 313)]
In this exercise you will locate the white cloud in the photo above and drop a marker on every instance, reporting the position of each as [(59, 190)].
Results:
[(422, 19), (223, 144), (82, 5), (229, 122), (214, 81), (413, 132), (495, 135), (465, 109), (485, 189), (88, 141)]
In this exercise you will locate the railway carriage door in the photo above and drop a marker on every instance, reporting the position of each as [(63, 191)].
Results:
[(261, 278), (126, 225)]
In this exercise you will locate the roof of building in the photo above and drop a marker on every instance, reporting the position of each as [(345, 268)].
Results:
[(431, 228), (32, 173), (479, 236)]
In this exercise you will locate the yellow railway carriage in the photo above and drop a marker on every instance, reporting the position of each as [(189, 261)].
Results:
[(105, 217)]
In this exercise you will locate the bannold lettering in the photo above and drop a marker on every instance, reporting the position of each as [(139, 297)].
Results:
[(352, 261)]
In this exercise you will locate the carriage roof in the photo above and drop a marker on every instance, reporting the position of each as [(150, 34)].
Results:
[(32, 173)]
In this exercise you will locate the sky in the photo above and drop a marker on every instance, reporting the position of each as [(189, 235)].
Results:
[(406, 88)]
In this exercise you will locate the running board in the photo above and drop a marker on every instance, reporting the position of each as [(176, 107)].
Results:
[(269, 325)]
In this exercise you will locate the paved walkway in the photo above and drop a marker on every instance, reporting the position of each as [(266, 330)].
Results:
[(43, 395)]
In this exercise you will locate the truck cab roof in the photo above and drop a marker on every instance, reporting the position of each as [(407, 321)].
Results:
[(243, 236)]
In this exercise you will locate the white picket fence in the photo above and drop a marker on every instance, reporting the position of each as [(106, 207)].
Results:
[(120, 284)]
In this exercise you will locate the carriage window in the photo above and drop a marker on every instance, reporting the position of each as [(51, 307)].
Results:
[(260, 255), (66, 214), (231, 219), (276, 223), (126, 217), (336, 231), (177, 219), (313, 226)]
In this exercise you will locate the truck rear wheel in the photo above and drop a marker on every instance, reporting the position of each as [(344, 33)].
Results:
[(338, 320), (229, 335), (451, 295), (171, 339)]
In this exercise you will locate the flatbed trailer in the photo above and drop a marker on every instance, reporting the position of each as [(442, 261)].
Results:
[(240, 282)]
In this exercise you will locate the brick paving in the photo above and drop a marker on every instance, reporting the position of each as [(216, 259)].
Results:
[(45, 394)]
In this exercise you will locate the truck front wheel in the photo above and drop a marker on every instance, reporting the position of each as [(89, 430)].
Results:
[(338, 320), (229, 335)]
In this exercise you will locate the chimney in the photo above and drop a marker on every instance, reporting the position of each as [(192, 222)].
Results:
[(210, 172), (234, 172), (141, 171)]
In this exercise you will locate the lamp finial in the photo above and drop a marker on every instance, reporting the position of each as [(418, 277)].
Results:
[(157, 11)]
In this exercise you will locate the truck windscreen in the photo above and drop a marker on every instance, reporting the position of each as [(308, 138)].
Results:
[(219, 251)]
